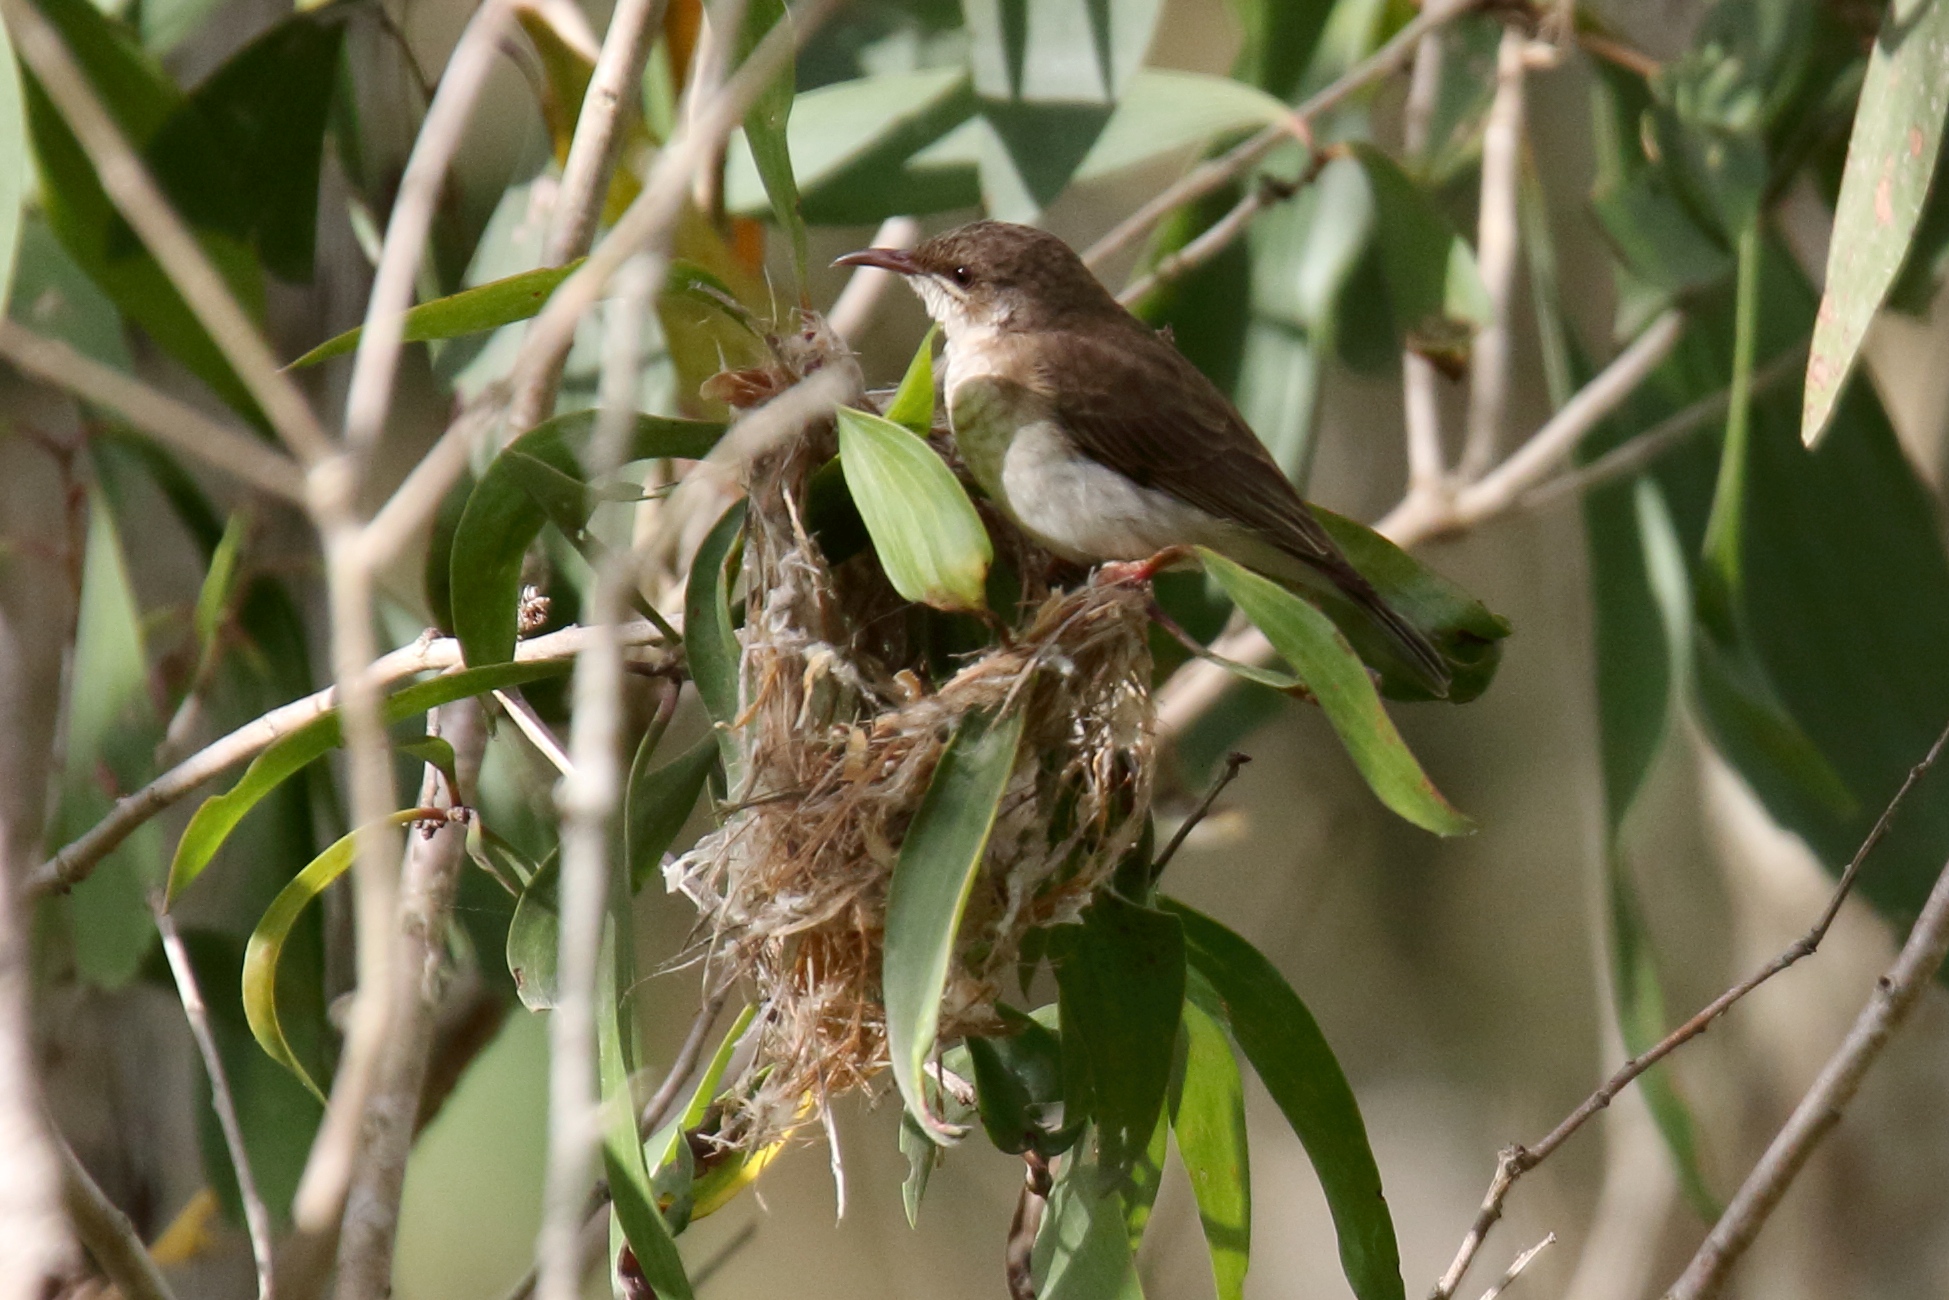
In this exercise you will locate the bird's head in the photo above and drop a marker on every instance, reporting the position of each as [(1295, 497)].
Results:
[(994, 275)]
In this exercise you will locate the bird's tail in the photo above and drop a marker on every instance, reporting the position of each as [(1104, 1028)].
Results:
[(1413, 645)]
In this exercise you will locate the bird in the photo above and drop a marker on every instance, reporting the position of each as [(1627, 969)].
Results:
[(1096, 437)]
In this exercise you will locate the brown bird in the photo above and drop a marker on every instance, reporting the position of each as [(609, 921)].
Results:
[(1095, 435)]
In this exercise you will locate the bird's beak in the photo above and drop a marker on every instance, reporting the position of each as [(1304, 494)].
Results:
[(897, 260)]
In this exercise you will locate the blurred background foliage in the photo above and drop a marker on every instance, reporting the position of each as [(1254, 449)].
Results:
[(1724, 658)]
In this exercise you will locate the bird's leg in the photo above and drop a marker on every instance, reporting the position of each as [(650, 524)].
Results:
[(1137, 572)]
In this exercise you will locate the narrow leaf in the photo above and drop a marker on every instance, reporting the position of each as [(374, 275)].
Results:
[(534, 937), (1019, 1087), (1083, 1250), (764, 130), (266, 946), (925, 530), (1283, 1042), (912, 407), (1432, 282), (1891, 159), (936, 870), (1208, 1120), (471, 311), (219, 814), (658, 803), (503, 517), (710, 642), (1338, 680)]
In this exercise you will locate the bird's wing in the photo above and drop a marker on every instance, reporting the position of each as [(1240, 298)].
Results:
[(1134, 404)]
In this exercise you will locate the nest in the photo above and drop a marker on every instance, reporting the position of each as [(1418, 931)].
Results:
[(839, 737)]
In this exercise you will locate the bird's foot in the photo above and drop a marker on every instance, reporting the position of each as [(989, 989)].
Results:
[(1137, 572)]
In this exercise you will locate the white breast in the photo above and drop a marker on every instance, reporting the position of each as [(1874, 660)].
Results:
[(1086, 512)]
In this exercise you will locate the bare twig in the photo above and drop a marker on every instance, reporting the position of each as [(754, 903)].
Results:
[(108, 1234), (175, 424), (657, 1109), (369, 394), (1233, 762), (1219, 236), (1194, 687), (1495, 256), (1220, 171), (257, 1219), (431, 877), (1017, 1254), (135, 195), (1420, 384), (1516, 1161), (1516, 1267), (529, 724), (588, 796), (37, 1247), (854, 306), (76, 860), (1642, 449)]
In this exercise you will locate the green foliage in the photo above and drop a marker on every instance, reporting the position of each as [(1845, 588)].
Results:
[(924, 528), (484, 307)]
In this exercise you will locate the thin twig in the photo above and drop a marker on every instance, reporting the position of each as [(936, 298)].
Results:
[(529, 724), (1233, 762), (588, 797), (606, 105), (1895, 995), (108, 1234), (434, 859), (1194, 687), (135, 195), (1495, 257), (1516, 1161), (1516, 1267), (1225, 168), (76, 860), (151, 411), (1642, 449), (257, 1219), (657, 1109), (1219, 236), (369, 394), (1019, 1250)]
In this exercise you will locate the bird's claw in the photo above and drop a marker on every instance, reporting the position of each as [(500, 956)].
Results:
[(1138, 572)]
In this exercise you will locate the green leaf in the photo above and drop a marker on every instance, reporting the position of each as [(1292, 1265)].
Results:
[(471, 311), (503, 517), (1208, 1120), (54, 297), (1346, 695), (1019, 1086), (711, 646), (1283, 1042), (1121, 976), (1083, 1250), (14, 168), (852, 147), (701, 1096), (1166, 111), (925, 530), (266, 946), (657, 804), (219, 584), (1465, 631), (912, 407), (110, 733), (218, 815), (534, 937), (1435, 290), (1891, 159), (1279, 38), (929, 889), (765, 126)]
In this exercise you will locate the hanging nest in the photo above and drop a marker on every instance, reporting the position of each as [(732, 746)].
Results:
[(838, 738)]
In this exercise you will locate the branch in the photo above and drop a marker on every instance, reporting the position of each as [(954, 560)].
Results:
[(1516, 1161), (153, 412), (1227, 167), (1895, 995), (134, 193), (374, 366), (1516, 1267), (1218, 237), (257, 1219), (1194, 687), (434, 858), (75, 861), (1495, 255), (108, 1234)]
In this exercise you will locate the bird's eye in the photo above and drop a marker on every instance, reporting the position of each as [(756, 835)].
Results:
[(963, 276)]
